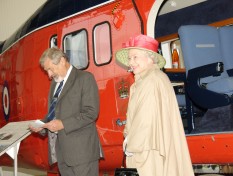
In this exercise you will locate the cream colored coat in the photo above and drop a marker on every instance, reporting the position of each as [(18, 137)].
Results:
[(154, 129)]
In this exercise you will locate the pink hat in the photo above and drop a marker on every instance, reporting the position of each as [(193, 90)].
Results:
[(142, 42)]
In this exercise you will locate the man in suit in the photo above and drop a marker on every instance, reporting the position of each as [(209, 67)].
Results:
[(72, 125)]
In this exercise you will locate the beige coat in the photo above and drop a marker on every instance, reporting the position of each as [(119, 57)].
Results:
[(154, 129)]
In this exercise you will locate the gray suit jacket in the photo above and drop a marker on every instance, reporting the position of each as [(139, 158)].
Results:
[(77, 107)]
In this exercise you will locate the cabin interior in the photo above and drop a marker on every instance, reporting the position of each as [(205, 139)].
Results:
[(203, 81)]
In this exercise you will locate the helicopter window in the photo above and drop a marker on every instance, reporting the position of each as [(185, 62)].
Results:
[(75, 47), (102, 44), (53, 41)]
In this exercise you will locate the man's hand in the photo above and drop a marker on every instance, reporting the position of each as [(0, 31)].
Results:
[(36, 126), (54, 125), (34, 129)]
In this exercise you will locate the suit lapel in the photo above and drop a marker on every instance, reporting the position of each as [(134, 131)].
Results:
[(53, 85), (68, 83)]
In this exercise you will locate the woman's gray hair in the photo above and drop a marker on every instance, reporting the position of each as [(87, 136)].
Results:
[(151, 55), (54, 54)]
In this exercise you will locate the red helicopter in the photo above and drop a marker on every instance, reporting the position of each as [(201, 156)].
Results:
[(90, 32)]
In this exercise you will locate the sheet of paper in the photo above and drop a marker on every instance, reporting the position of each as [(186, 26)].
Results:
[(37, 124)]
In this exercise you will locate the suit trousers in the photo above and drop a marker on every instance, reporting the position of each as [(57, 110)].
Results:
[(87, 169)]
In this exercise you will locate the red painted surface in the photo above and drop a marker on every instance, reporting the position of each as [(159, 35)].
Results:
[(213, 148), (28, 88), (28, 85)]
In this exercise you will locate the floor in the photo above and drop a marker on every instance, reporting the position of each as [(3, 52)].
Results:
[(9, 171)]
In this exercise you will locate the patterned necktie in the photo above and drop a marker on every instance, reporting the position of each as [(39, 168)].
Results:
[(51, 114)]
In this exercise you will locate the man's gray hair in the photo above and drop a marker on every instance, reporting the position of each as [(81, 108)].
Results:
[(54, 54)]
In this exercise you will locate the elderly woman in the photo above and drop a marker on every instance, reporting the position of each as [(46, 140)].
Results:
[(155, 142)]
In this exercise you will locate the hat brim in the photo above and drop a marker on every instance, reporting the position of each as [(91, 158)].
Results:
[(122, 57)]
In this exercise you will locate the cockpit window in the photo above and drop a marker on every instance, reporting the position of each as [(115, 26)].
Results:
[(75, 46)]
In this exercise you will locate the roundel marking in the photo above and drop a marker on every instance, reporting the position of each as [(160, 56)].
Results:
[(6, 101)]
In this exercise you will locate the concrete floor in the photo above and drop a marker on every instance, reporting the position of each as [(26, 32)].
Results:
[(9, 171)]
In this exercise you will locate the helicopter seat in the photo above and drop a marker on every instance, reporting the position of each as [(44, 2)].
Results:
[(208, 84)]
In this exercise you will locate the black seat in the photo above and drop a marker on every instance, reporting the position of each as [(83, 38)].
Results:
[(208, 85)]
